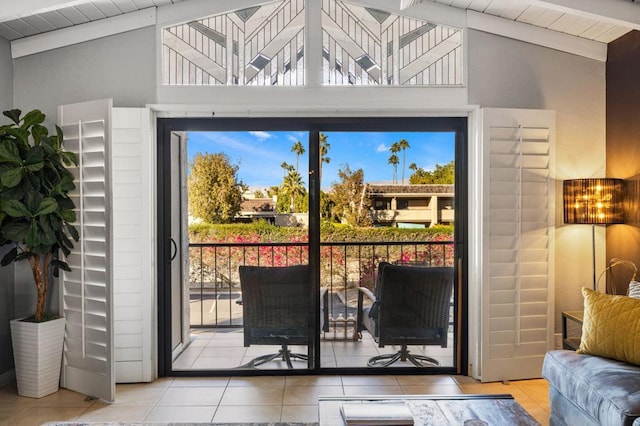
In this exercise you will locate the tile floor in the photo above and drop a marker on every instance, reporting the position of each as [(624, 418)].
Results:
[(247, 399), (223, 349)]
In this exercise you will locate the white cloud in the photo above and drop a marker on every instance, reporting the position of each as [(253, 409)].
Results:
[(261, 135), (292, 138), (382, 148)]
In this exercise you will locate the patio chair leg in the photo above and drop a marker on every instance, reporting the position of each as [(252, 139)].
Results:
[(403, 354), (284, 353)]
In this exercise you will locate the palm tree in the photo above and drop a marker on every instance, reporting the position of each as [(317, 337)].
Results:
[(413, 167), (292, 185), (298, 148), (394, 160), (403, 144), (286, 167), (324, 150)]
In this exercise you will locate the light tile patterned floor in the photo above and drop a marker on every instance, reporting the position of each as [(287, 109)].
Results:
[(247, 399), (212, 349)]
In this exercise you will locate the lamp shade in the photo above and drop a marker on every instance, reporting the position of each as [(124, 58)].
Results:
[(593, 201)]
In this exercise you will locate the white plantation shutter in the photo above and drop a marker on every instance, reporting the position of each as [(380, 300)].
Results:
[(87, 291), (517, 244), (133, 243)]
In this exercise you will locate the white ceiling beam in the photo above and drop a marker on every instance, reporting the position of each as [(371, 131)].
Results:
[(618, 12), (405, 4), (537, 35), (187, 11), (428, 11), (84, 32), (14, 9)]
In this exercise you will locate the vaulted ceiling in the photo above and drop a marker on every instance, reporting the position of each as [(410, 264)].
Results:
[(594, 21)]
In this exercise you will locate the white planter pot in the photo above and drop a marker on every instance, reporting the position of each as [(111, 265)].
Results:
[(37, 355)]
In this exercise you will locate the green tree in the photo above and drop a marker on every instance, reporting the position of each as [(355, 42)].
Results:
[(349, 197), (394, 160), (324, 151), (292, 187), (441, 175), (403, 144), (298, 149), (258, 193), (215, 195)]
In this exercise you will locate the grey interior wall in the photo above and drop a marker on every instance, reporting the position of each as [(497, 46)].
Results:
[(6, 75), (6, 274), (507, 73), (121, 67)]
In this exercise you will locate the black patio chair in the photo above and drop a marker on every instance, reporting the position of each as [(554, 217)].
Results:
[(410, 307), (276, 304)]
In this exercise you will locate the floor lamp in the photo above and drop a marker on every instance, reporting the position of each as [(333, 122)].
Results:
[(594, 202)]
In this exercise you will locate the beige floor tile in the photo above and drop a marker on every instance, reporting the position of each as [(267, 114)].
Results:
[(432, 389), (299, 413), (271, 381), (308, 395), (537, 390), (185, 382), (540, 414), (209, 363), (352, 361), (369, 380), (7, 412), (138, 395), (162, 382), (114, 413), (35, 416), (253, 396), (191, 396), (313, 381), (223, 352), (237, 414), (184, 362), (422, 380), (373, 390), (62, 399), (191, 414)]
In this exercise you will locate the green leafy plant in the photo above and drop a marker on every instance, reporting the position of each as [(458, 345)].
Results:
[(36, 211)]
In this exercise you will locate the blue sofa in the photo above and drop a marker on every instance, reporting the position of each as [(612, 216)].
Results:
[(590, 390)]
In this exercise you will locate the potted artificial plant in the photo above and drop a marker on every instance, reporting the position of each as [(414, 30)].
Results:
[(36, 216)]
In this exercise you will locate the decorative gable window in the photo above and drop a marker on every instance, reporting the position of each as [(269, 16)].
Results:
[(260, 45), (264, 45), (364, 46)]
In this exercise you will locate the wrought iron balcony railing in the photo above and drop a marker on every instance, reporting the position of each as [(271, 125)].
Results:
[(215, 287)]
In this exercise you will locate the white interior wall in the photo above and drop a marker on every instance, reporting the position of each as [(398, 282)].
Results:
[(6, 273), (502, 73), (512, 74), (120, 67)]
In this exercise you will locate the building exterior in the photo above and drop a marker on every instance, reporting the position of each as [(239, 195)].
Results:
[(412, 205)]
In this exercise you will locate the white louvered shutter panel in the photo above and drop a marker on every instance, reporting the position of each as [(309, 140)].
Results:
[(87, 291), (517, 277)]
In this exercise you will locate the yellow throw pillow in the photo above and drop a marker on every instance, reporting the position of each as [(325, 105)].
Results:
[(611, 327)]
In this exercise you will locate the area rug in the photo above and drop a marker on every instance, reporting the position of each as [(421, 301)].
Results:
[(176, 424)]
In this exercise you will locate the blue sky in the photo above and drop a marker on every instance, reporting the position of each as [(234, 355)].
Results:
[(259, 154)]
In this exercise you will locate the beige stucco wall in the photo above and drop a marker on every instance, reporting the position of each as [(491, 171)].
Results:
[(508, 73)]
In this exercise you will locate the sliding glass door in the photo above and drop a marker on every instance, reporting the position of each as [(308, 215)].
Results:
[(323, 203)]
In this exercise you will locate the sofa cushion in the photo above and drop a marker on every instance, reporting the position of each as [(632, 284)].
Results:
[(611, 326), (606, 389)]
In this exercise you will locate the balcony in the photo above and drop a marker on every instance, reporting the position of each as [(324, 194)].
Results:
[(216, 314)]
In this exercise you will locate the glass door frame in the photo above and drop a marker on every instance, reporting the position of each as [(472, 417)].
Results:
[(312, 125)]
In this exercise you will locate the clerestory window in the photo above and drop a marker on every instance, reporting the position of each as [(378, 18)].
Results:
[(265, 45)]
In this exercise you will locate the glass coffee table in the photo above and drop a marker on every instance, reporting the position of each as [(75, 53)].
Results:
[(473, 410)]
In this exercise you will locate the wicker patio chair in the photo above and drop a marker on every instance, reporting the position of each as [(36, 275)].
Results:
[(276, 310), (410, 307)]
